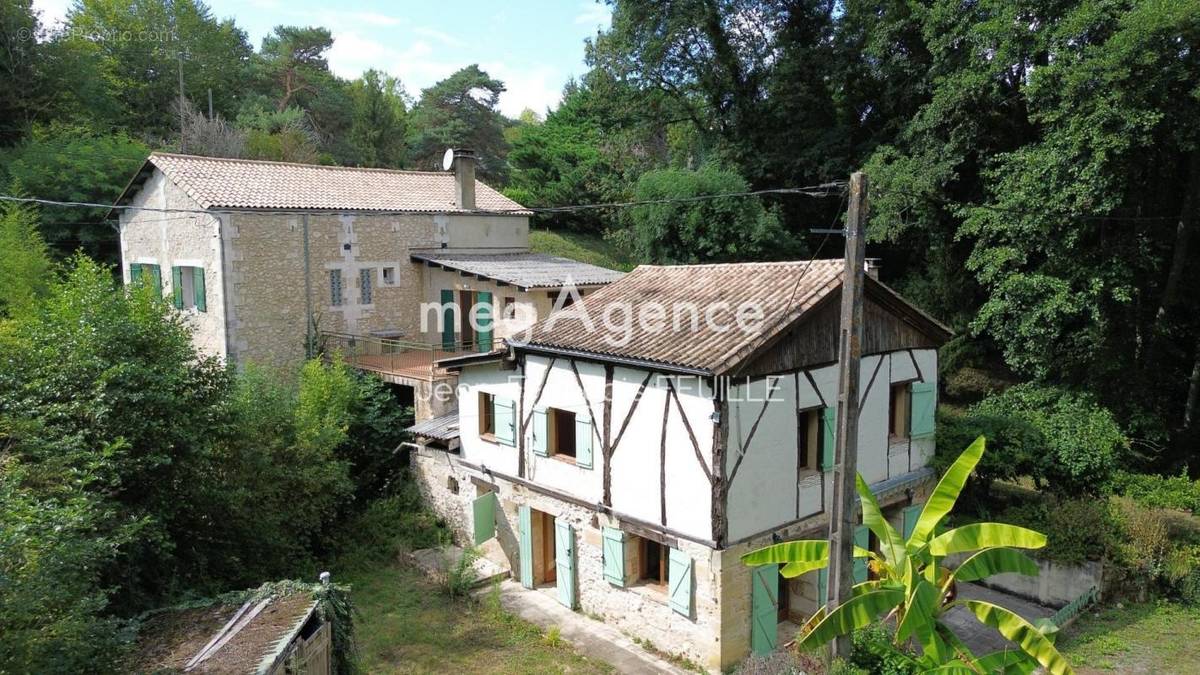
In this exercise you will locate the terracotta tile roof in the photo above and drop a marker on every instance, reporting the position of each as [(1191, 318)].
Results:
[(525, 270), (250, 184), (783, 290)]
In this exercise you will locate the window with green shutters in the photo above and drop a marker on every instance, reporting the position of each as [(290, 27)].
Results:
[(187, 288), (448, 327), (924, 407), (564, 562), (335, 287), (828, 436), (135, 272), (484, 517), (155, 278), (483, 319), (862, 539), (613, 541), (540, 434), (504, 420), (679, 582), (764, 608), (908, 519)]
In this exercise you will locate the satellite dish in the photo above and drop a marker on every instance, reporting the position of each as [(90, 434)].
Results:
[(448, 159)]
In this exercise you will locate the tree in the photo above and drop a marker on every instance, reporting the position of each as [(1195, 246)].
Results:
[(294, 60), (25, 267), (460, 112), (379, 123), (138, 48), (706, 230), (75, 164), (915, 589)]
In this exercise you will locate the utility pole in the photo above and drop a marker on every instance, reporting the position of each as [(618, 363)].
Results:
[(182, 127), (844, 516), (210, 116)]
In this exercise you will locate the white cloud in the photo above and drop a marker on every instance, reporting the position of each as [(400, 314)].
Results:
[(445, 38), (53, 12), (537, 88), (594, 14)]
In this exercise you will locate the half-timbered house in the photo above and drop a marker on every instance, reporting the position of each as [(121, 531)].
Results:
[(626, 468)]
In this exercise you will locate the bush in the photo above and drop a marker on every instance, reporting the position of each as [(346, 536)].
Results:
[(711, 230), (1173, 492), (1012, 446), (1077, 530), (1081, 442), (872, 650)]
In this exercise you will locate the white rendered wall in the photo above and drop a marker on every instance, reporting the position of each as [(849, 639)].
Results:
[(764, 494), (636, 467)]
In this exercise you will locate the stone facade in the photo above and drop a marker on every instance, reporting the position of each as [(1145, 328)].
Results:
[(715, 635)]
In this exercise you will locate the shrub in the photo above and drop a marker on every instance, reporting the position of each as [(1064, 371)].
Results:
[(872, 650), (1163, 492), (711, 230), (1077, 530), (1081, 441), (461, 576), (1013, 444)]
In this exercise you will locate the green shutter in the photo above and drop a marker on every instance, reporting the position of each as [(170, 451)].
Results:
[(156, 279), (177, 286), (822, 586), (679, 582), (483, 316), (909, 516), (828, 436), (198, 289), (448, 320), (583, 441), (541, 433), (525, 556), (764, 608), (135, 272), (924, 405), (484, 517), (564, 561), (862, 539), (614, 555), (504, 417)]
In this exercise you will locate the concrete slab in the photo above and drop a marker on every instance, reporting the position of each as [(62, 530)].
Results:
[(983, 639), (594, 639)]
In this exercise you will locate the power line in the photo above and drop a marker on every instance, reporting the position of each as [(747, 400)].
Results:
[(1023, 212), (822, 190)]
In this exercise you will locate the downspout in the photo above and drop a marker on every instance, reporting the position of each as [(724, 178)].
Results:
[(225, 277), (309, 351)]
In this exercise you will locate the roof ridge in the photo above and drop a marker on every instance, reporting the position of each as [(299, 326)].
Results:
[(272, 162), (745, 263)]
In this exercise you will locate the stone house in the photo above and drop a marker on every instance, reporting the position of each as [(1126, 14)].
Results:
[(626, 470), (269, 259)]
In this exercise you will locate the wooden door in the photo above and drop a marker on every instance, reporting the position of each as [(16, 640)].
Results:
[(549, 566)]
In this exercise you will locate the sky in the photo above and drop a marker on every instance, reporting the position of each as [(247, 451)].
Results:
[(533, 46)]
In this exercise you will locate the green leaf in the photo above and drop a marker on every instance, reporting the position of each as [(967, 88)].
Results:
[(804, 552), (920, 612), (1009, 662), (890, 541), (1028, 638), (985, 535), (995, 561), (855, 613), (945, 494)]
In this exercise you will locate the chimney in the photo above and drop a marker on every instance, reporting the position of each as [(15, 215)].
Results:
[(873, 265), (464, 178)]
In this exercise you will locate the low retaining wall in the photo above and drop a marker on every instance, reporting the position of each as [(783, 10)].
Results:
[(1056, 585)]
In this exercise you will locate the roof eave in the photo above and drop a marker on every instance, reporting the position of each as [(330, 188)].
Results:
[(632, 362)]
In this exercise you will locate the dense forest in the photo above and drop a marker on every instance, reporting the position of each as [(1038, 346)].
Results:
[(1035, 184)]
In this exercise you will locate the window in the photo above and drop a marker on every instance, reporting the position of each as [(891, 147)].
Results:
[(899, 411), (809, 433), (562, 432), (335, 287), (510, 307), (653, 558), (389, 276), (487, 418), (187, 288), (364, 285)]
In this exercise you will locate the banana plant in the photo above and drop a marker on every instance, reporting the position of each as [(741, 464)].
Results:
[(913, 587)]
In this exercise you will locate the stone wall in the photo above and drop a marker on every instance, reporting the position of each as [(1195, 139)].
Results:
[(637, 610), (178, 239), (1055, 585)]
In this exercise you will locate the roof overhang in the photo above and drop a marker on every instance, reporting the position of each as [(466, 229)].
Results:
[(599, 357)]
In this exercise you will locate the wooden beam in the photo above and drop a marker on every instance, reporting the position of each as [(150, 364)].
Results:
[(691, 435), (586, 402), (662, 461), (746, 443), (871, 382), (606, 444)]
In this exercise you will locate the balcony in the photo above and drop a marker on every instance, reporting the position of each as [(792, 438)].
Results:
[(395, 360)]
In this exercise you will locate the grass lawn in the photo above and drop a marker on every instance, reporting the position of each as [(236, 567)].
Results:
[(406, 624), (586, 248), (1145, 638)]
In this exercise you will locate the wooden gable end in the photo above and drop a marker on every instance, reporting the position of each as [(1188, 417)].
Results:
[(889, 324)]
